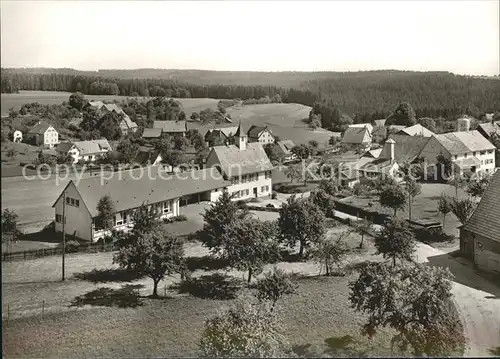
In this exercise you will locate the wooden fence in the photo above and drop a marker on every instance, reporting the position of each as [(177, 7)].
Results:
[(38, 253)]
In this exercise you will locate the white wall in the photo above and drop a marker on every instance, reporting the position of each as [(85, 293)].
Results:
[(259, 183), (78, 219), (51, 137)]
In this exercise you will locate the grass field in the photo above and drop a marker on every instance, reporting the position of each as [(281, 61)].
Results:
[(15, 101), (424, 205), (114, 321)]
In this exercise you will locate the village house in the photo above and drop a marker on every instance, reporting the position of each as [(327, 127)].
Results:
[(480, 236), (160, 193), (147, 156), (42, 134), (151, 133), (407, 149), (220, 136), (468, 150), (284, 150), (416, 130), (87, 151), (384, 165), (127, 126), (488, 129), (245, 165), (171, 128), (369, 126), (260, 134), (357, 137)]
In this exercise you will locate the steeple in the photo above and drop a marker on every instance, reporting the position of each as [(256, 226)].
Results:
[(241, 138)]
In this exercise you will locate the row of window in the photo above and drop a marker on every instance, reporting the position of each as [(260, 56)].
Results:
[(125, 217), (488, 161), (482, 153), (59, 218), (264, 189), (249, 178), (73, 202)]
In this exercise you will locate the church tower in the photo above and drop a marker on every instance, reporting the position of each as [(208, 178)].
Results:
[(241, 138)]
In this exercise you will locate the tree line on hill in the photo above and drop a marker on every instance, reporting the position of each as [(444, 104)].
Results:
[(336, 96)]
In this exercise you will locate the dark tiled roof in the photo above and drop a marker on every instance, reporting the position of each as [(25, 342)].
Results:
[(170, 126), (151, 132), (406, 148), (39, 129), (485, 221), (145, 155), (490, 128), (255, 131), (129, 193)]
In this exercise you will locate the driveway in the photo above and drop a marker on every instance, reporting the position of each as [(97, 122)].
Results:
[(476, 299)]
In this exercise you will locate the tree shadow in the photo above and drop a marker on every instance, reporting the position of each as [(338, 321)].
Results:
[(206, 263), (125, 297), (342, 347), (212, 286), (108, 275)]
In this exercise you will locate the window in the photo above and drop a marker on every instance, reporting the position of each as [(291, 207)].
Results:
[(77, 202), (262, 189), (72, 201), (67, 200), (242, 193), (483, 152), (456, 156), (268, 174), (473, 153), (119, 219), (267, 188), (166, 207), (58, 218), (247, 192), (465, 155)]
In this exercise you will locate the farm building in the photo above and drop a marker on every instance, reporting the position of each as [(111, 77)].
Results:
[(245, 165), (162, 194), (489, 129), (126, 125), (416, 130), (171, 128), (357, 137), (480, 236), (261, 134), (219, 136), (284, 150), (84, 150), (151, 133), (148, 157)]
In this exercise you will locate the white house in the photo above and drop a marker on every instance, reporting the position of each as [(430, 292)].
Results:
[(88, 151), (260, 134), (43, 134), (245, 165), (469, 150), (129, 190), (17, 136)]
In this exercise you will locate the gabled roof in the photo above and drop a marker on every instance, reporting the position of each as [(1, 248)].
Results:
[(220, 131), (97, 104), (130, 189), (485, 221), (380, 131), (375, 153), (92, 147), (64, 147), (395, 128), (151, 132), (406, 148), (39, 129), (355, 135), (490, 128), (234, 161), (359, 125), (171, 126), (417, 130), (285, 147), (379, 165), (380, 122), (255, 131), (145, 155), (464, 141)]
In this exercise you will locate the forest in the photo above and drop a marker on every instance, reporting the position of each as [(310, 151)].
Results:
[(359, 95)]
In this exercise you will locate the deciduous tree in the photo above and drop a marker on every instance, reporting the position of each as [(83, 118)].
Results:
[(10, 232), (394, 197), (396, 241), (77, 101), (106, 213), (274, 285), (330, 252), (155, 254), (444, 206), (413, 189), (462, 208), (301, 221), (414, 300)]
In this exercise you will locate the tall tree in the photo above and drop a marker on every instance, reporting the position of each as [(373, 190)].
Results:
[(396, 241), (413, 189), (10, 232), (106, 213), (274, 285), (224, 211), (415, 301), (77, 101), (248, 244), (301, 221), (444, 206), (330, 251), (155, 254), (324, 201), (462, 208)]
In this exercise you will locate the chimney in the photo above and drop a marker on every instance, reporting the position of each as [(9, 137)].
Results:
[(391, 143)]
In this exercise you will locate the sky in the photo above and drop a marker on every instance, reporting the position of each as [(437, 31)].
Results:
[(457, 36)]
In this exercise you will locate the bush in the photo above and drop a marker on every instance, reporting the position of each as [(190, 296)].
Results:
[(241, 203), (274, 195), (270, 205), (255, 200), (433, 235), (72, 246), (179, 218)]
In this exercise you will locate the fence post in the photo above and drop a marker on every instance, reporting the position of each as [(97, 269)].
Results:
[(43, 307)]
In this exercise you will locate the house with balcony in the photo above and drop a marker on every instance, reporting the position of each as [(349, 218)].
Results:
[(245, 165), (161, 193)]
